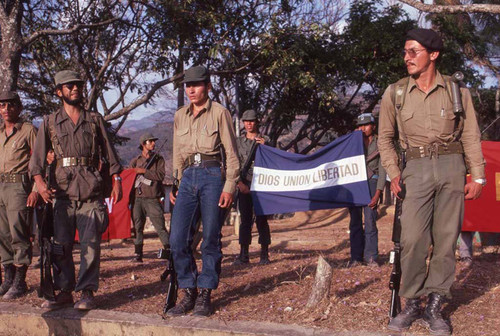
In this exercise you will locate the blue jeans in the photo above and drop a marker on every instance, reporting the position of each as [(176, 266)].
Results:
[(364, 243), (198, 195)]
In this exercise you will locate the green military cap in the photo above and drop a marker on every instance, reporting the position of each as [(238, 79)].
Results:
[(249, 115), (145, 137), (196, 74), (9, 95), (365, 118), (67, 76)]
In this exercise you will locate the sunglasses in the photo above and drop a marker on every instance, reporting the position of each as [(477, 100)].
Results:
[(411, 52), (70, 86), (8, 104)]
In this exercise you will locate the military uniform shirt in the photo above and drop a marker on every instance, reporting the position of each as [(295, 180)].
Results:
[(155, 173), (204, 134), (15, 150), (375, 165), (428, 119), (78, 183), (244, 146)]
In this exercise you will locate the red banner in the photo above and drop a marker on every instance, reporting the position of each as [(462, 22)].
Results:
[(482, 214)]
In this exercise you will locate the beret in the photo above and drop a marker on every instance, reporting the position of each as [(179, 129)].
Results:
[(426, 37)]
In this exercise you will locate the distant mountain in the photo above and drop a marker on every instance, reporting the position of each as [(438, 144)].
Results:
[(147, 122)]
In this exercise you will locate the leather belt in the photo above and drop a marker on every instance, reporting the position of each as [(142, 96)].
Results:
[(76, 161), (202, 160), (13, 178), (433, 150)]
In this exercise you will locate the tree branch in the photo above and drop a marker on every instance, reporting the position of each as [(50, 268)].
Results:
[(29, 40), (453, 9)]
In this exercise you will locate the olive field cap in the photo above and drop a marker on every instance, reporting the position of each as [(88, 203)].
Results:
[(9, 95), (249, 115), (145, 137), (426, 37), (67, 76), (365, 118), (196, 74)]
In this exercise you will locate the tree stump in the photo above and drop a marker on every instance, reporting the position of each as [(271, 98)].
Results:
[(322, 283)]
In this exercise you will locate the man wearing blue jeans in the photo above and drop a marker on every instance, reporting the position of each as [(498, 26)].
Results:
[(203, 136), (364, 243)]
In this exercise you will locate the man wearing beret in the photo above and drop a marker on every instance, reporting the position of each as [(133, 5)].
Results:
[(17, 195), (245, 203), (364, 243), (418, 110), (146, 200), (203, 134), (81, 144)]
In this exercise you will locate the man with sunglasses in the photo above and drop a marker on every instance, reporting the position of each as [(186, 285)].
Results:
[(17, 195), (81, 145), (146, 200), (419, 113)]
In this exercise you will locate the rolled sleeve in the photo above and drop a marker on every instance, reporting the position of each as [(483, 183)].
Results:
[(387, 133), (471, 138), (228, 139)]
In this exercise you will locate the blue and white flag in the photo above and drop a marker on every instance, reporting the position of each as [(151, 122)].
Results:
[(332, 177)]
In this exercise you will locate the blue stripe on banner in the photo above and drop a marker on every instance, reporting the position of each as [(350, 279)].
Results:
[(332, 177)]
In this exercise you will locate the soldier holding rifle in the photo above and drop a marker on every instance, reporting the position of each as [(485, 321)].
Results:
[(202, 130), (436, 137), (16, 195), (147, 194), (81, 145), (245, 204)]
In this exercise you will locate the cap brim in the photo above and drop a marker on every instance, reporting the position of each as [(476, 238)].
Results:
[(73, 80), (192, 80)]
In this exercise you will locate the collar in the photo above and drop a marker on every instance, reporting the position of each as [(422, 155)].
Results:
[(62, 116), (206, 107), (438, 81), (17, 125)]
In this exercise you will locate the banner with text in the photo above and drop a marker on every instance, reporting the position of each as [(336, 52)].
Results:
[(332, 177)]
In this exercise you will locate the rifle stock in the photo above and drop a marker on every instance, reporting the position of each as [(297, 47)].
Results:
[(172, 283)]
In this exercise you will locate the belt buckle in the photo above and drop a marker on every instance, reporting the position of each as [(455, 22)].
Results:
[(197, 159), (66, 161)]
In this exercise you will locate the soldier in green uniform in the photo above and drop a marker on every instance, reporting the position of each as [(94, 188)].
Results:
[(17, 138), (434, 176), (80, 143), (146, 201)]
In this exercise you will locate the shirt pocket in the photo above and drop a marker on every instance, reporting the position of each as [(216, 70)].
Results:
[(446, 124), (183, 136), (208, 138), (409, 122), (18, 150)]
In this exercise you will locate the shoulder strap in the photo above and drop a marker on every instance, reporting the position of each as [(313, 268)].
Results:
[(56, 145), (398, 93), (459, 122), (93, 126)]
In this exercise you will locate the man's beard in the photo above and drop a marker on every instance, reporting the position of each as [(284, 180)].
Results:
[(72, 102)]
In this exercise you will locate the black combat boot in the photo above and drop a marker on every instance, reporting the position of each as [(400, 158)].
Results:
[(432, 316), (19, 287), (137, 254), (9, 271), (408, 315), (186, 304), (264, 255), (243, 258), (203, 306)]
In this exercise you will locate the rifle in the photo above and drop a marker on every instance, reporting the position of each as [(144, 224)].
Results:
[(170, 270), (140, 179), (47, 247), (248, 163), (172, 284), (395, 254)]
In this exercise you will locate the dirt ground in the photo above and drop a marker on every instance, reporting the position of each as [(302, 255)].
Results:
[(278, 292)]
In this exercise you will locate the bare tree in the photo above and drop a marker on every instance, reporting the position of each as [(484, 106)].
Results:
[(452, 9)]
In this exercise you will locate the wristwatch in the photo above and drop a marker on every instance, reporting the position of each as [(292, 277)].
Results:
[(118, 178), (481, 181)]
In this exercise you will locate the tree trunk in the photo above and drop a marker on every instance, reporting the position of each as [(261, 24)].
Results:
[(322, 283), (11, 44)]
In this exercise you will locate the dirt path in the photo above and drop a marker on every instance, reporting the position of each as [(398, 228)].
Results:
[(279, 291)]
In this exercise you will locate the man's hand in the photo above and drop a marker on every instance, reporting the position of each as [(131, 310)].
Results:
[(116, 193), (472, 190), (260, 140), (225, 200), (32, 199), (139, 170), (173, 197), (374, 202), (243, 188), (395, 187), (46, 193)]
